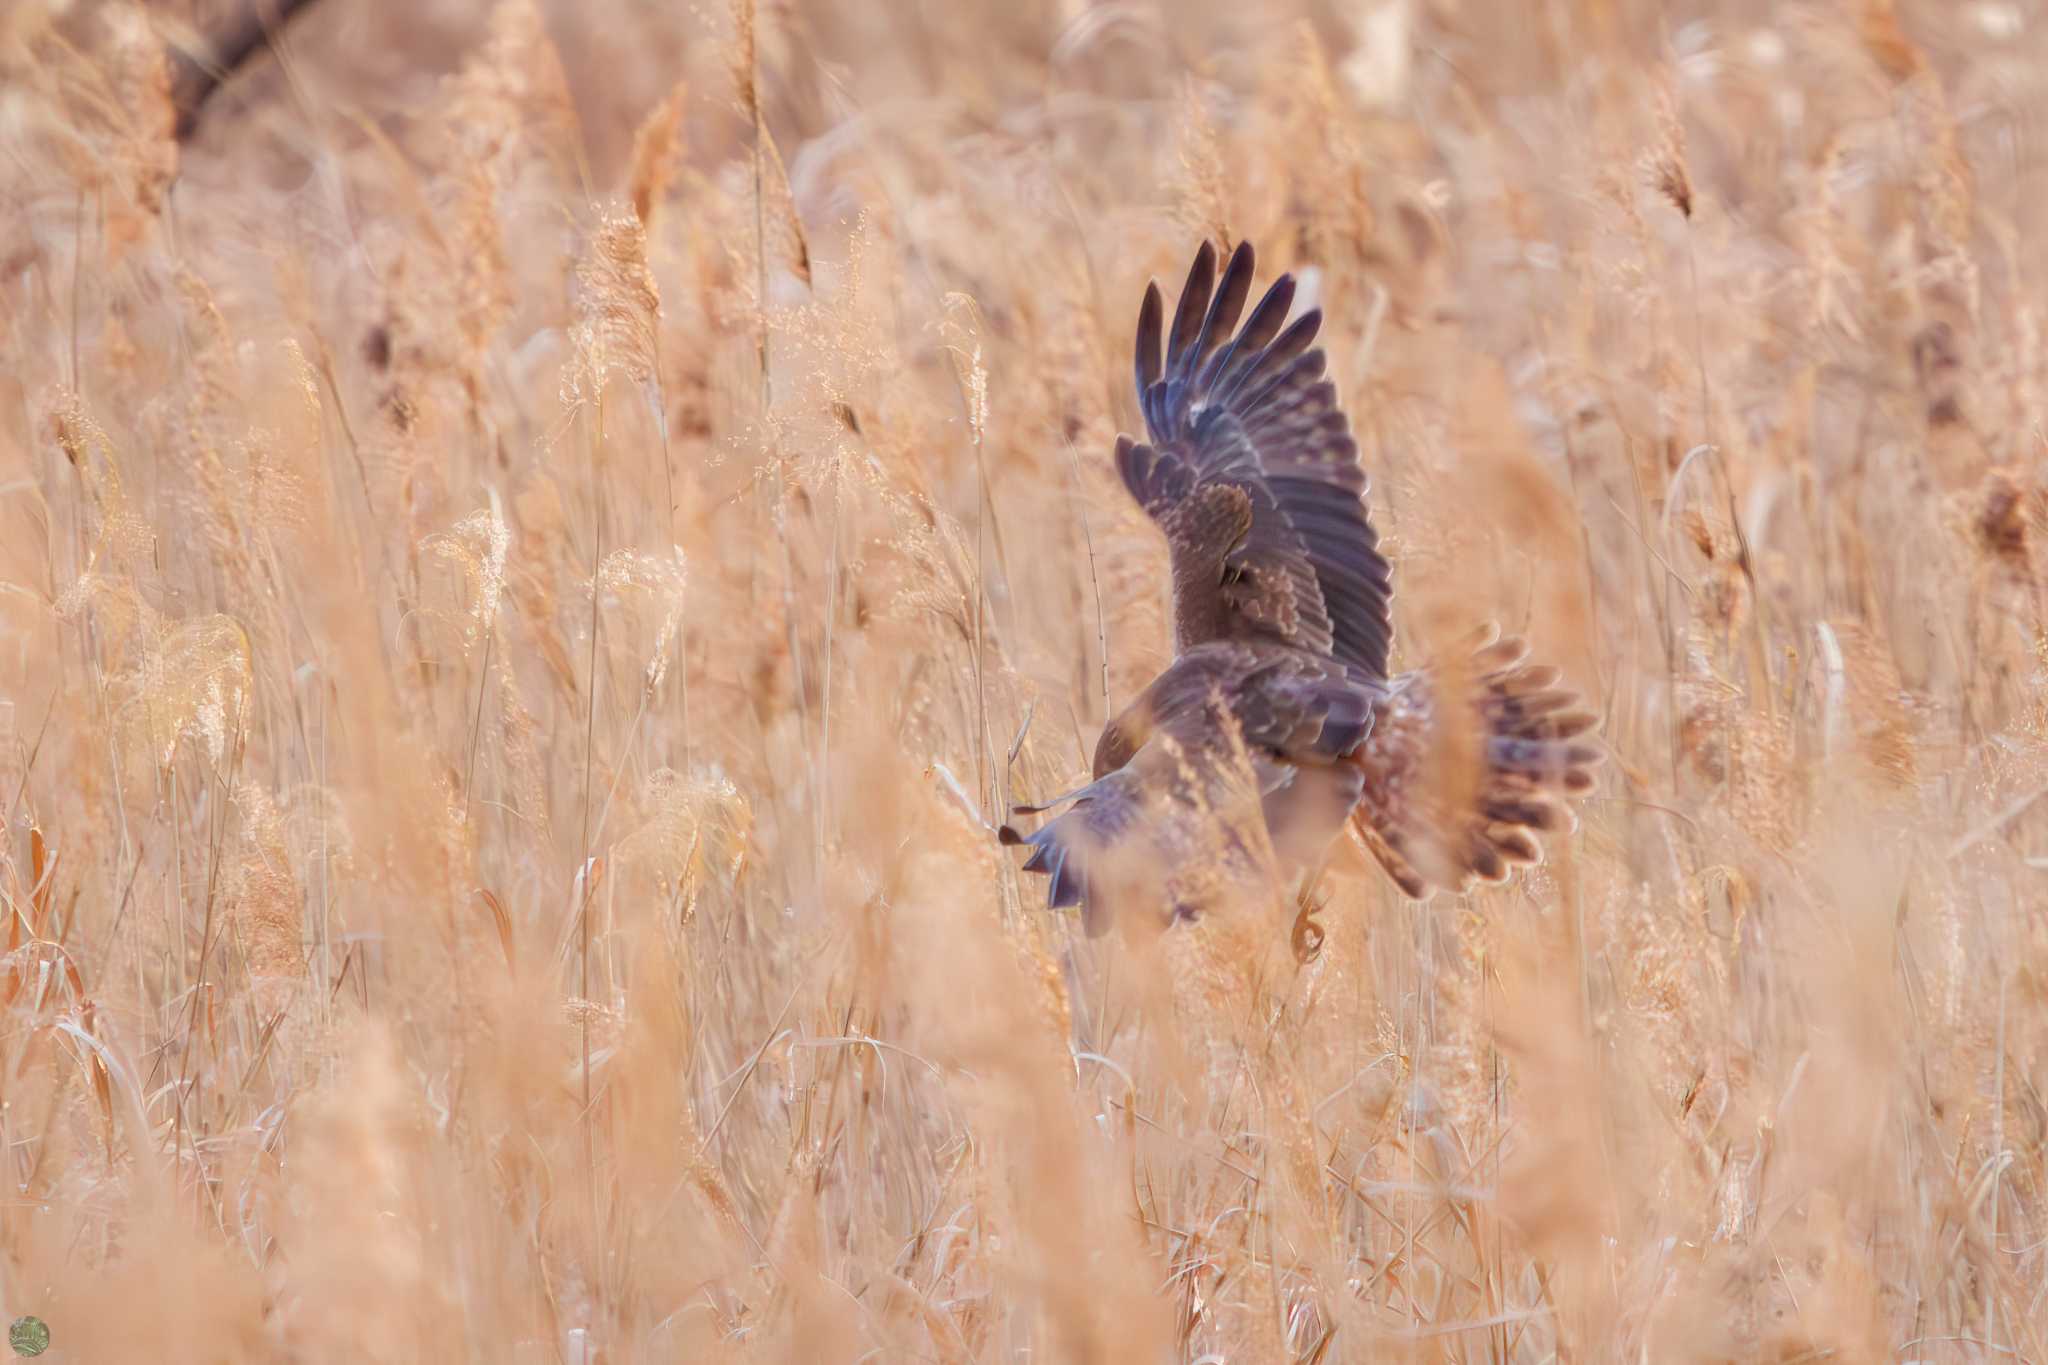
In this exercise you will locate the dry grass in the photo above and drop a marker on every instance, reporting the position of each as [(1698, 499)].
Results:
[(534, 548)]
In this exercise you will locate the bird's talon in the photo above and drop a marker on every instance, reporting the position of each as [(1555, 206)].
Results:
[(1308, 933)]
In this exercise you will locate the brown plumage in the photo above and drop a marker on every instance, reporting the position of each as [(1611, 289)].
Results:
[(1277, 726)]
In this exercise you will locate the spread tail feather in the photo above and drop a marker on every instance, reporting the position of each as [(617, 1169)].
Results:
[(1455, 795)]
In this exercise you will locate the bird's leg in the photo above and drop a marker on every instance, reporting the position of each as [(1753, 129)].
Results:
[(1308, 931)]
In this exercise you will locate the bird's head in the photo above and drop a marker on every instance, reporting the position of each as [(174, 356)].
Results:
[(1120, 740)]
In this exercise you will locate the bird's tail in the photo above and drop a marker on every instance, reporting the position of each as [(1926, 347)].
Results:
[(1457, 793)]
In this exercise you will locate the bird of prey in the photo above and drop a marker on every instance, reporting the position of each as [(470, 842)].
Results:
[(1277, 729)]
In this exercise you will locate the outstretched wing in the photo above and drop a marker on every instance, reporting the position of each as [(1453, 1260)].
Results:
[(1253, 474)]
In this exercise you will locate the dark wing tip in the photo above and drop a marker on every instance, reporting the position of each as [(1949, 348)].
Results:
[(1151, 314), (1194, 302), (1068, 887), (1225, 306), (1241, 261), (1231, 292), (1241, 352)]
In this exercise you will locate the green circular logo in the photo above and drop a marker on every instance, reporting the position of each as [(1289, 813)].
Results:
[(29, 1336)]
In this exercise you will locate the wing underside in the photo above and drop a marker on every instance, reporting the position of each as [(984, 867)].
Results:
[(1243, 769)]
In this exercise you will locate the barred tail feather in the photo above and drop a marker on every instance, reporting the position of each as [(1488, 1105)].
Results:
[(1457, 795)]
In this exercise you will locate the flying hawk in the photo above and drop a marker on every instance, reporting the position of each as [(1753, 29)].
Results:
[(1277, 728)]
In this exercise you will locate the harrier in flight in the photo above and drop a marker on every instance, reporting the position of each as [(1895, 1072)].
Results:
[(1276, 730)]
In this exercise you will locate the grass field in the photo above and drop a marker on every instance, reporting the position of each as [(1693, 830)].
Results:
[(537, 543)]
